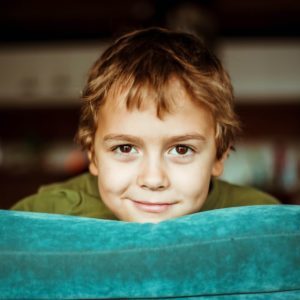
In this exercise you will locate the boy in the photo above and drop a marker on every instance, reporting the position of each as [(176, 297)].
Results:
[(157, 123)]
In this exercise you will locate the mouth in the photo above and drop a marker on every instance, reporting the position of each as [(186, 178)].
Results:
[(151, 207)]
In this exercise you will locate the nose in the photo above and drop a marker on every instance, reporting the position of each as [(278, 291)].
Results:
[(152, 175)]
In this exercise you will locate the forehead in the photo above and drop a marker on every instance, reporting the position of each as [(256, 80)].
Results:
[(166, 97), (184, 115)]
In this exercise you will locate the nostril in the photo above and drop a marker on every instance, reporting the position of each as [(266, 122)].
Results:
[(153, 188)]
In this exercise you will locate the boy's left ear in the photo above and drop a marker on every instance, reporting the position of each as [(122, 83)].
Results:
[(218, 166)]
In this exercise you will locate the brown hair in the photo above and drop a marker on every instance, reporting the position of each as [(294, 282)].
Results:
[(146, 60)]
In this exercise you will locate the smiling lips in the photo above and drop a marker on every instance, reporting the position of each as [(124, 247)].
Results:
[(152, 207)]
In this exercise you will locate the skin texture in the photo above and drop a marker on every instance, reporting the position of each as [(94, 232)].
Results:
[(151, 169)]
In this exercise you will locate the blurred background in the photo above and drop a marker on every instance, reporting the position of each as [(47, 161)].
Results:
[(47, 47)]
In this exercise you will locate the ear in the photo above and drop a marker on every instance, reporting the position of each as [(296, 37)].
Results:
[(92, 165), (218, 165)]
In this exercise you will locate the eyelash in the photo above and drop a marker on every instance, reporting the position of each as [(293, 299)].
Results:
[(117, 150)]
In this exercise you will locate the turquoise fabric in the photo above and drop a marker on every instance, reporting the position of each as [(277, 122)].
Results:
[(234, 253)]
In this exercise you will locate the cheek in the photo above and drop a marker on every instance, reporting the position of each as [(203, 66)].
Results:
[(114, 178), (192, 180)]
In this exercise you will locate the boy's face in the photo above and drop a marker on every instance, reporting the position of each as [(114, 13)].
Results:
[(152, 169)]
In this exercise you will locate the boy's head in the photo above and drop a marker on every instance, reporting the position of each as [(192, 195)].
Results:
[(157, 122)]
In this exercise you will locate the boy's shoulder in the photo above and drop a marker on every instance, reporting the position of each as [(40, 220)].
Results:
[(83, 183), (224, 194), (76, 196)]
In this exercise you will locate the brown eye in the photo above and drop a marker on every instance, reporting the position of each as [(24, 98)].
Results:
[(125, 148), (180, 149)]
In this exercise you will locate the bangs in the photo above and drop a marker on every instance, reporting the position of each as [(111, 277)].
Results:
[(140, 93)]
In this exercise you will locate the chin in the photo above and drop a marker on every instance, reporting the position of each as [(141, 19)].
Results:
[(142, 219)]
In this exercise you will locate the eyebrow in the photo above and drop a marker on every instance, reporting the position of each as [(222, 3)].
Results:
[(134, 139), (186, 137), (122, 137)]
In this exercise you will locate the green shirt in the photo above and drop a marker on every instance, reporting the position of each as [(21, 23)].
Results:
[(79, 196)]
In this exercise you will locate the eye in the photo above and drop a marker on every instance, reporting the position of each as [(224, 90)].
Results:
[(181, 150), (125, 149)]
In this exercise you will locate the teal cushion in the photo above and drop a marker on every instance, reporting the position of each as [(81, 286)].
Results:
[(235, 253)]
